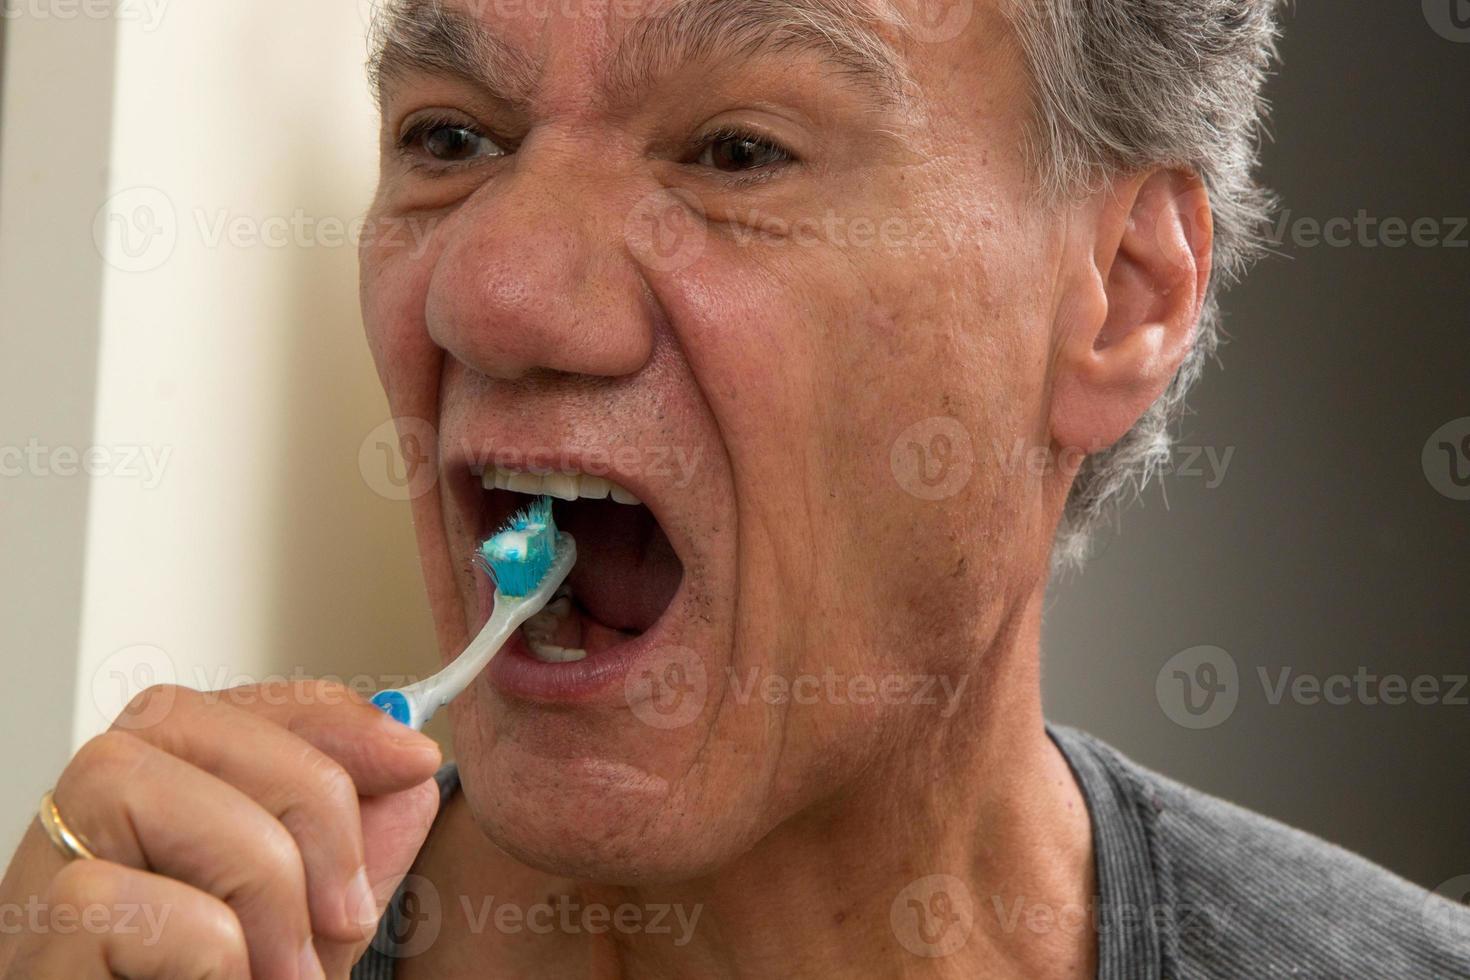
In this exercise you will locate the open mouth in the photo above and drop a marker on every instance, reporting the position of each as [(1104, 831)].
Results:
[(627, 572)]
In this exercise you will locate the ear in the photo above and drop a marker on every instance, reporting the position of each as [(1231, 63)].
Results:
[(1133, 307)]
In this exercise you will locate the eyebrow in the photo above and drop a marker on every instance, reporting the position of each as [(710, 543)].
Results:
[(844, 33), (426, 37), (423, 37)]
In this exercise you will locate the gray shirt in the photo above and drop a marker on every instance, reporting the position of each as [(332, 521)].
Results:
[(1193, 887)]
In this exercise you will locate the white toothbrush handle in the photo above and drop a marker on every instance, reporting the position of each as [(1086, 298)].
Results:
[(416, 703)]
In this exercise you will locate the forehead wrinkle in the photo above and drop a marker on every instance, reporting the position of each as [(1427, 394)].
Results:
[(843, 32), (411, 37)]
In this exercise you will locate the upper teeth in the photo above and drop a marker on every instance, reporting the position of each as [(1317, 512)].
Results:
[(564, 486)]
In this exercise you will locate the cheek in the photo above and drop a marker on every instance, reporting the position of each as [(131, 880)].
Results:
[(822, 369), (939, 375), (766, 334), (394, 287)]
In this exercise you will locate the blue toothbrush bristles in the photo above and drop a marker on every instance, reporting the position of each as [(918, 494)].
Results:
[(519, 556)]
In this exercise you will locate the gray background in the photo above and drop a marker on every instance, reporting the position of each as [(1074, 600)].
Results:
[(1325, 548)]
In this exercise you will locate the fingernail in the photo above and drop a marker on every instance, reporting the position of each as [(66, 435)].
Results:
[(362, 904), (409, 738), (308, 965), (421, 745), (402, 734)]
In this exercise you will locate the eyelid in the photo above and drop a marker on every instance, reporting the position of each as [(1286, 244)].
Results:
[(741, 178), (419, 124), (741, 131)]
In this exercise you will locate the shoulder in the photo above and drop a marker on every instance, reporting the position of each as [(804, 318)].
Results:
[(1245, 895)]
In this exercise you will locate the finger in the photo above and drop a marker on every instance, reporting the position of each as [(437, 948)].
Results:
[(394, 829), (144, 808), (309, 792), (102, 920), (380, 754)]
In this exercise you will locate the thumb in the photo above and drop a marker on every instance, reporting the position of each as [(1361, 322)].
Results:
[(394, 828)]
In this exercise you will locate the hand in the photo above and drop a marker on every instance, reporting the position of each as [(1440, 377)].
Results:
[(251, 833)]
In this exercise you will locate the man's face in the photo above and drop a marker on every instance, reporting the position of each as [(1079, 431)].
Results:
[(801, 310)]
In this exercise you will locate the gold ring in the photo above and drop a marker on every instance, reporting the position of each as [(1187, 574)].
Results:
[(67, 842)]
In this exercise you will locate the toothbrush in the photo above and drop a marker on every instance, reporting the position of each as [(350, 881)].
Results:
[(529, 559)]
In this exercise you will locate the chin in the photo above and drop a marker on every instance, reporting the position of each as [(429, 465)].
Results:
[(618, 811)]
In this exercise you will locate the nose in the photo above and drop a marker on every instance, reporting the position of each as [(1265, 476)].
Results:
[(536, 274)]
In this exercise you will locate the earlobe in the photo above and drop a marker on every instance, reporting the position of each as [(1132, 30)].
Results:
[(1134, 309)]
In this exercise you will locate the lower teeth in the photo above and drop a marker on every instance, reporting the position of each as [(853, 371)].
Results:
[(552, 654), (540, 628)]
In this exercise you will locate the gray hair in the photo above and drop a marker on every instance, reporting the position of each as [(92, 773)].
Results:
[(1124, 86)]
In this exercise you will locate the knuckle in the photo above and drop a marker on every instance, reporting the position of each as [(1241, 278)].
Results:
[(267, 872), (278, 857), (113, 754), (289, 692), (323, 803), (152, 695), (153, 704), (321, 691), (329, 782)]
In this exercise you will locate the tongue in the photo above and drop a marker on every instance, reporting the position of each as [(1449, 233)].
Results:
[(626, 572)]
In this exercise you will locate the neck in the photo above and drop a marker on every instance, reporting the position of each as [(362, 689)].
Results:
[(967, 853)]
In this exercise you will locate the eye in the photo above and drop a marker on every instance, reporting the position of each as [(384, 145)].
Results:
[(448, 141), (732, 151)]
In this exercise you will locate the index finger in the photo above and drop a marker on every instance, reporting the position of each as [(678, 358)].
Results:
[(381, 755)]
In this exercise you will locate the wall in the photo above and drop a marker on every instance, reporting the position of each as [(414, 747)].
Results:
[(231, 534), (53, 161)]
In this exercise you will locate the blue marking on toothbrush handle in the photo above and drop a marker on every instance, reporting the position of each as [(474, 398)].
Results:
[(394, 705)]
